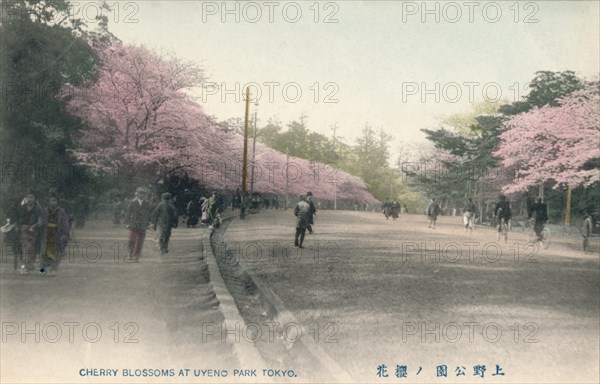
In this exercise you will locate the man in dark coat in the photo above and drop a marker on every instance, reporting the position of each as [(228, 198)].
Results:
[(311, 212), (164, 217), (29, 225), (137, 218), (433, 210), (302, 213), (539, 212)]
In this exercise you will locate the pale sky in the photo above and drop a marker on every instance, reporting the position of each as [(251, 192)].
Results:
[(377, 59)]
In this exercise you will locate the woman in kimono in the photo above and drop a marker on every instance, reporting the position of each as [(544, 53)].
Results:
[(55, 231)]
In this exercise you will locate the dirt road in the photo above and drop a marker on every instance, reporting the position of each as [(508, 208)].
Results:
[(375, 294)]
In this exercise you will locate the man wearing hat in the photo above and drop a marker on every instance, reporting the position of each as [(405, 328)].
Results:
[(137, 218), (165, 217), (30, 221)]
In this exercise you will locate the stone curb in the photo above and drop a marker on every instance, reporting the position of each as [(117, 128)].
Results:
[(284, 316), (247, 355)]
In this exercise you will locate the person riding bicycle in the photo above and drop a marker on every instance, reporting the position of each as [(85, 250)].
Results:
[(503, 212), (539, 212), (469, 214)]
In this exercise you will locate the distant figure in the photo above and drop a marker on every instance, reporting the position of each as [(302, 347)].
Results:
[(212, 207), (311, 212), (387, 207), (165, 218), (10, 238), (433, 210), (395, 209), (539, 212), (237, 199), (29, 224), (302, 213), (205, 210), (503, 213), (469, 215), (192, 210), (137, 218), (55, 231)]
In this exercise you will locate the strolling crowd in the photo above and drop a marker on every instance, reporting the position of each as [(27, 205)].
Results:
[(38, 232)]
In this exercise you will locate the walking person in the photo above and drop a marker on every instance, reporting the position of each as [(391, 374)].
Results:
[(192, 211), (205, 209), (469, 215), (137, 218), (29, 224), (55, 233), (503, 214), (387, 206), (395, 210), (165, 218), (302, 213), (433, 210), (539, 213), (210, 207), (311, 212)]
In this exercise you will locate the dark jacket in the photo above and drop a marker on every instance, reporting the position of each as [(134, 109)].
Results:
[(165, 215), (470, 207), (502, 209), (433, 210), (138, 215), (311, 211), (301, 211), (539, 212)]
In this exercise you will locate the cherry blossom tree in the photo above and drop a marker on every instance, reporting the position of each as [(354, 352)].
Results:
[(137, 113), (557, 145), (274, 172), (139, 117)]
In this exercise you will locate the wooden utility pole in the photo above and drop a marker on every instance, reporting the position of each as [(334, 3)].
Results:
[(245, 159), (253, 152), (568, 207)]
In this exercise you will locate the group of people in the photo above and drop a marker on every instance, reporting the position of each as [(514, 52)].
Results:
[(391, 208), (140, 215), (537, 212), (39, 235), (207, 209), (304, 211), (38, 231)]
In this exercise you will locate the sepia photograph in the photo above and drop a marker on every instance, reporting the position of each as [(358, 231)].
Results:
[(299, 192)]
